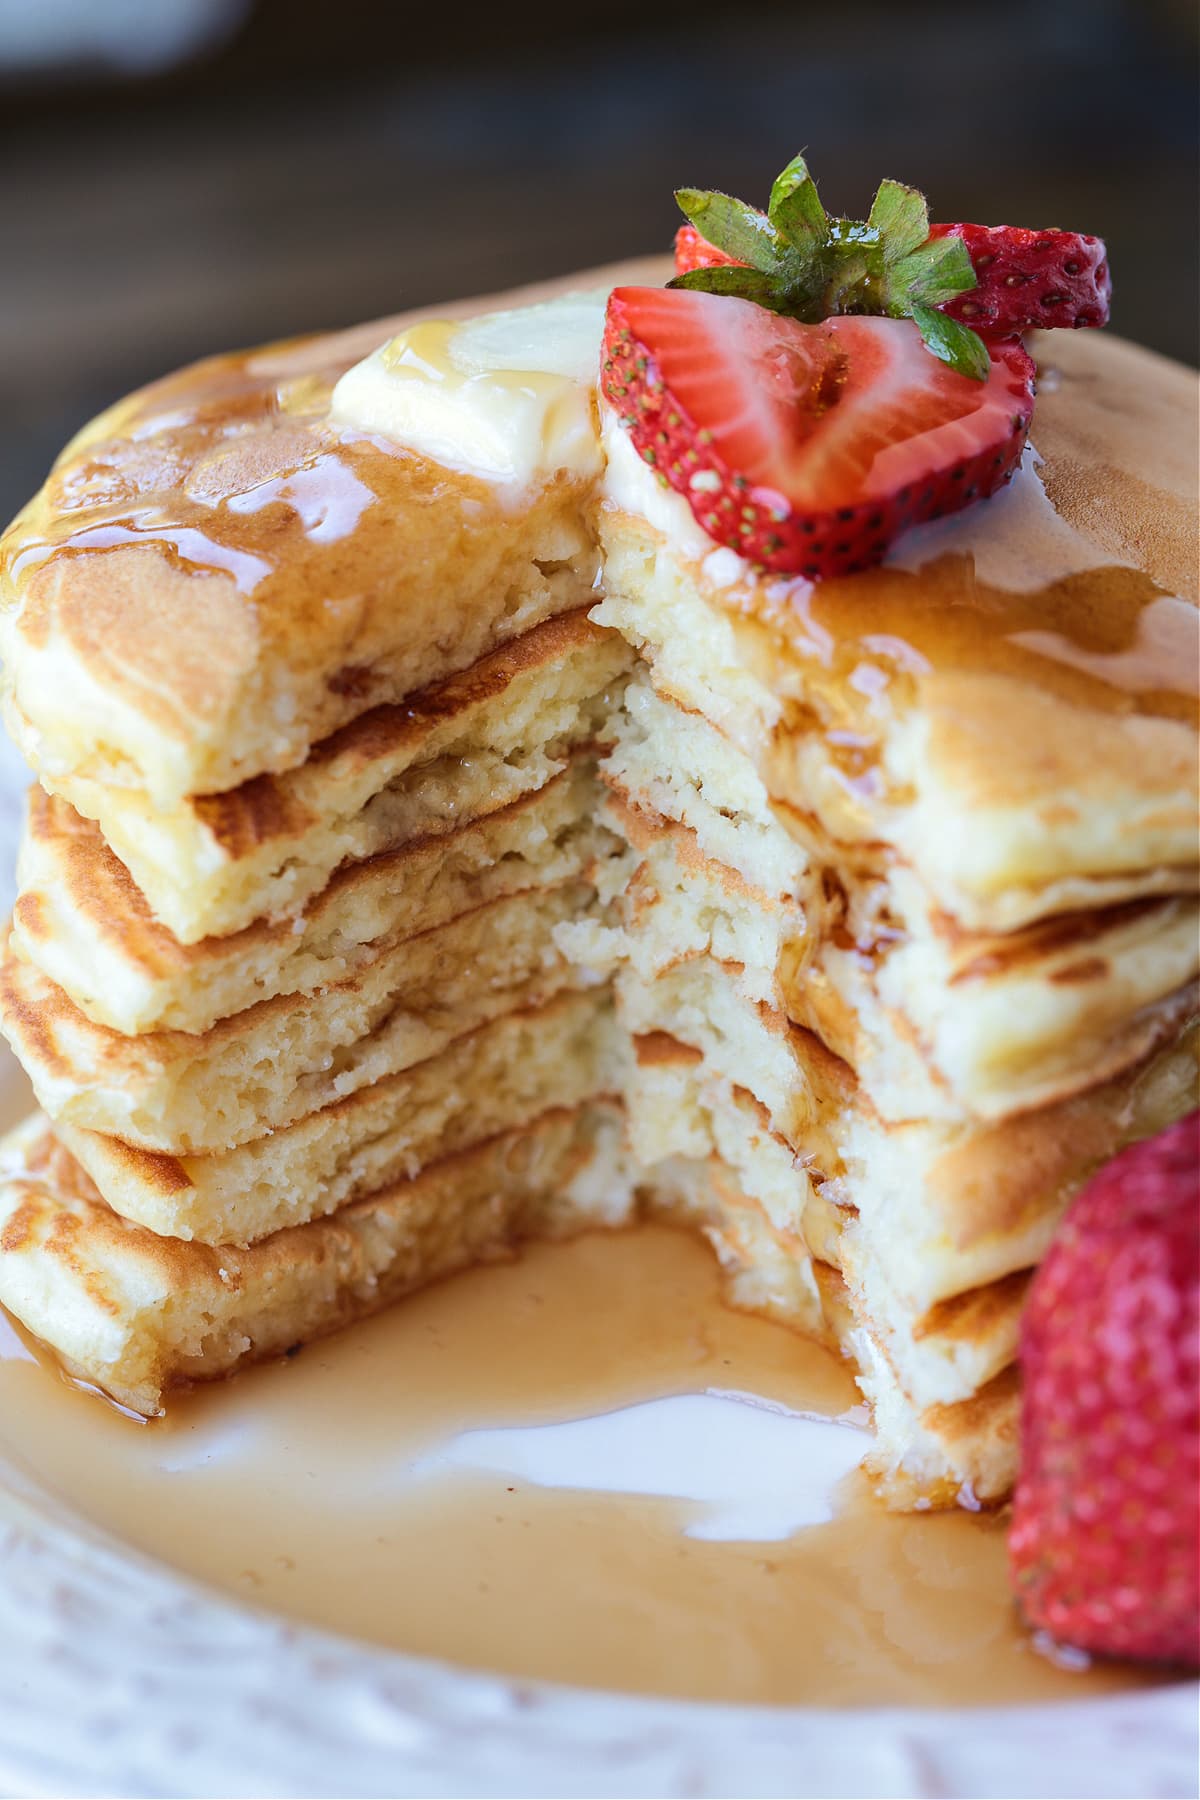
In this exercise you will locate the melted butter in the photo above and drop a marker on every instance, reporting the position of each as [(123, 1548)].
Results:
[(508, 395), (334, 1488)]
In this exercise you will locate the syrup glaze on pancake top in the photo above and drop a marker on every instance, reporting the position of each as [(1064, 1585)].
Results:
[(855, 828), (306, 573)]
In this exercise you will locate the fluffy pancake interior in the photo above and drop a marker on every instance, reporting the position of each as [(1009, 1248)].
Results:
[(466, 748), (262, 1070), (138, 1314), (82, 920), (499, 1075)]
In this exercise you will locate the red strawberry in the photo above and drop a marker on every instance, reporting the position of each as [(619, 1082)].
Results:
[(807, 448), (1103, 1547), (695, 252), (1026, 278), (1030, 278)]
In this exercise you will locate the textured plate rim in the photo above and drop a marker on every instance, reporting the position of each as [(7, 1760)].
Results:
[(119, 1676)]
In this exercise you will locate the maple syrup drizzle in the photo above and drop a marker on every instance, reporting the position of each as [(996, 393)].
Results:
[(235, 466)]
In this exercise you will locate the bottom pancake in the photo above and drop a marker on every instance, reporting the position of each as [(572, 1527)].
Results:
[(135, 1314)]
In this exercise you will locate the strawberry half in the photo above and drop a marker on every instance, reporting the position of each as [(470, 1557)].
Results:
[(1026, 279), (807, 448), (1030, 278), (1106, 1515)]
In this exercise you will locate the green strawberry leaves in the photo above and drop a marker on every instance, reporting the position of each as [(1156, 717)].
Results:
[(900, 218), (740, 230), (743, 284), (951, 342), (795, 209), (794, 259), (939, 270)]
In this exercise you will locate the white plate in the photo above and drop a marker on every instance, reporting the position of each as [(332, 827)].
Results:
[(119, 1677)]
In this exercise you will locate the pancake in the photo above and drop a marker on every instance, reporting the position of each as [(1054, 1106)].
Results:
[(668, 759), (938, 1021), (135, 1314), (263, 1069), (307, 574), (920, 1214), (467, 746), (966, 1454), (932, 787), (85, 924), (500, 1075)]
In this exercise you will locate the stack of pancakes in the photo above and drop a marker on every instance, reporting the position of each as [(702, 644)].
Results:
[(282, 968), (413, 871)]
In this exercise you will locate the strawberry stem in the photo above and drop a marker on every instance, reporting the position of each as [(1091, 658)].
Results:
[(794, 259)]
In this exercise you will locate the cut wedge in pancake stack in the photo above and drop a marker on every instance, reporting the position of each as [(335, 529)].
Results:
[(445, 834)]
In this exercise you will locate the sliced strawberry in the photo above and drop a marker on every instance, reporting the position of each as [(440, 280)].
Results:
[(1026, 278), (1029, 278), (807, 448), (695, 252)]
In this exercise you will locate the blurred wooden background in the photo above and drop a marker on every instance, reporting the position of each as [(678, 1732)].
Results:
[(333, 159)]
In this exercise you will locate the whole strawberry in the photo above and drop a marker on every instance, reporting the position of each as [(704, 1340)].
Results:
[(1028, 278), (1023, 278), (1103, 1549)]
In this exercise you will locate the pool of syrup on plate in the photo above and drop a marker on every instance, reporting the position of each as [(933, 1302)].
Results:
[(504, 1472)]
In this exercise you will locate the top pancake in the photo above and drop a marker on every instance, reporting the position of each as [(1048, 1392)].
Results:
[(214, 576), (1008, 703)]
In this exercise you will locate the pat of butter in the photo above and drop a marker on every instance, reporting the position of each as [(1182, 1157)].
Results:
[(508, 395)]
